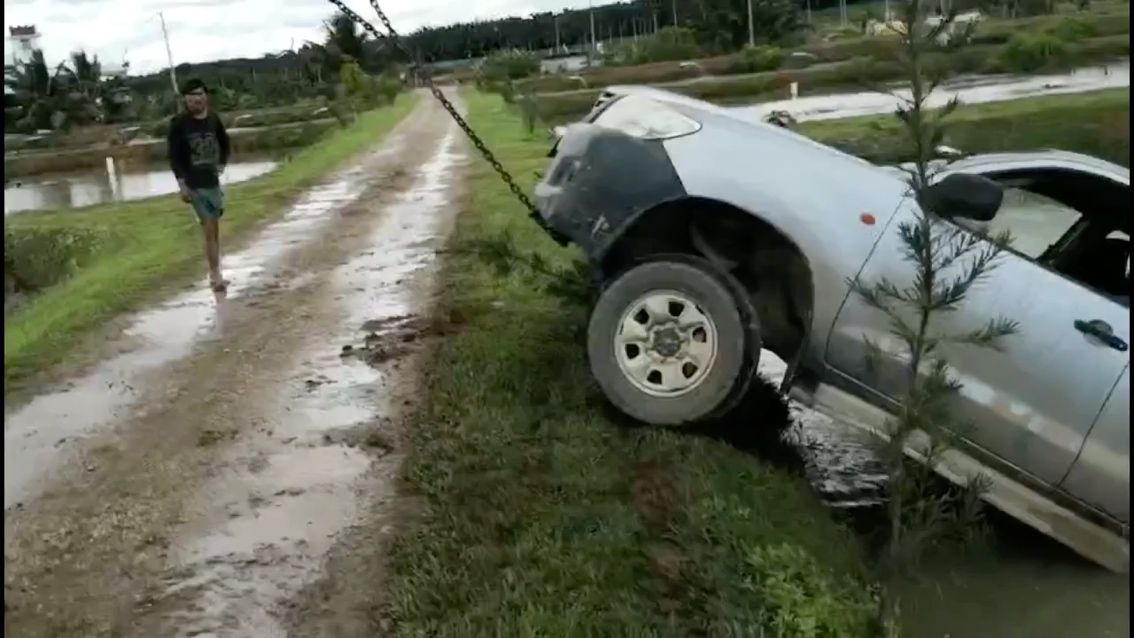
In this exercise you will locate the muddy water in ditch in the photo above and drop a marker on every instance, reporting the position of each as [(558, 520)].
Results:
[(1022, 584), (74, 190), (967, 90)]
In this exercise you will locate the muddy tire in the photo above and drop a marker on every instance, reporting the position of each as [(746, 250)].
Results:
[(673, 341)]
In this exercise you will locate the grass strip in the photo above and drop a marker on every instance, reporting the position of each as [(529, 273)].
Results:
[(1094, 123), (541, 517)]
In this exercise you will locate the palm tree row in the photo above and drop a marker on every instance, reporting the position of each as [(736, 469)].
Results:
[(73, 93)]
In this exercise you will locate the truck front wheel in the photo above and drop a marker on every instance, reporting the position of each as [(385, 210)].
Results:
[(669, 341)]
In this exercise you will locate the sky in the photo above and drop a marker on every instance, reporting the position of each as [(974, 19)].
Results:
[(204, 30)]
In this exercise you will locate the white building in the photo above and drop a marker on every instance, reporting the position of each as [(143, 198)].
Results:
[(24, 40)]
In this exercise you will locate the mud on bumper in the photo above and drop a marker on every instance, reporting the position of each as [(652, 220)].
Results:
[(597, 184)]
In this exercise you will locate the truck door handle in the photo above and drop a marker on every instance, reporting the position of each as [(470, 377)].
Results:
[(1102, 331)]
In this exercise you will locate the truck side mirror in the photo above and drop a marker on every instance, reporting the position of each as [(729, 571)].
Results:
[(966, 196)]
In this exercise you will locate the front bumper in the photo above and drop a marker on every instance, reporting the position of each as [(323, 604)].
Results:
[(599, 182)]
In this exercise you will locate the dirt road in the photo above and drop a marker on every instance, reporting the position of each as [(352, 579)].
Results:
[(202, 477)]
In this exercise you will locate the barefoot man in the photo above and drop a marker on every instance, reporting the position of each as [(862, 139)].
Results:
[(198, 153)]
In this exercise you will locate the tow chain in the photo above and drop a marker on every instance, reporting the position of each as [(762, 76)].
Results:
[(425, 76)]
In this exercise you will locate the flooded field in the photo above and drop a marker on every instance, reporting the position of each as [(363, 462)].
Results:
[(1022, 584), (970, 90), (49, 192)]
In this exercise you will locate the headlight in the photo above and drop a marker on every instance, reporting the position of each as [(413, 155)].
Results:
[(646, 118)]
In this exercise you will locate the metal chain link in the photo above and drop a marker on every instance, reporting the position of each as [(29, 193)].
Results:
[(425, 76)]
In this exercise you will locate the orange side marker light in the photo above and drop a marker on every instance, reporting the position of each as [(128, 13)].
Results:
[(867, 219)]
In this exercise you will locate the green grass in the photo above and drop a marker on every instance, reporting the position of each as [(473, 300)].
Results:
[(1095, 123), (154, 244), (543, 518)]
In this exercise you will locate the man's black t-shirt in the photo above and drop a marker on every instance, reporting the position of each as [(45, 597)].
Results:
[(198, 147)]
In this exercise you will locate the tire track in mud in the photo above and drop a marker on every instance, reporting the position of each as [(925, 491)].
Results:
[(267, 522), (203, 494)]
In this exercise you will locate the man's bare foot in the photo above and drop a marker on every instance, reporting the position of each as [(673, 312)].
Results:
[(218, 283)]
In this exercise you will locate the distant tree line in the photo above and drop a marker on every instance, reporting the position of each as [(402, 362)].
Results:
[(74, 93), (717, 23)]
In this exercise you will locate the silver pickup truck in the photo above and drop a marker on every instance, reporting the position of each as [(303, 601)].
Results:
[(716, 237)]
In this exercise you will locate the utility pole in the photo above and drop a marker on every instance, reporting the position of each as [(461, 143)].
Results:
[(558, 49), (674, 5), (752, 28), (169, 56), (843, 13), (594, 46)]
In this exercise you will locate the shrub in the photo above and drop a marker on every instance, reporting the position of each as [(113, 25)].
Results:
[(1073, 30), (758, 58), (509, 65), (355, 81), (40, 257), (669, 44), (1027, 52), (387, 87), (365, 90)]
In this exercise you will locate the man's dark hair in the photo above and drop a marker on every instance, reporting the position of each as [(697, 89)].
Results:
[(193, 84)]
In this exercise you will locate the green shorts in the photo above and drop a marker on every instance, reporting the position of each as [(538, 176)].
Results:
[(207, 202)]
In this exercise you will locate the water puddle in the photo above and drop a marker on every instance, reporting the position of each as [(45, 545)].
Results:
[(294, 485), (41, 433), (840, 463), (75, 190), (967, 90), (1023, 585)]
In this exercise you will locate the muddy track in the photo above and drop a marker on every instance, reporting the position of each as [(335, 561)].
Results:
[(196, 480)]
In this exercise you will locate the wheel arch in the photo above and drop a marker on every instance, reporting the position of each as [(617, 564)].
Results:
[(774, 271)]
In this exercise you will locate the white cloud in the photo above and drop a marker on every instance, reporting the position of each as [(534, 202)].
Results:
[(203, 30)]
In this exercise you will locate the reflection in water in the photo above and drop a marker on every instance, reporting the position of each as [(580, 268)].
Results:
[(967, 90), (1023, 585), (49, 192), (1027, 586)]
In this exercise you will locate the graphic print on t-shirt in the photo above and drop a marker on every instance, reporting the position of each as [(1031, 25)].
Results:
[(203, 149)]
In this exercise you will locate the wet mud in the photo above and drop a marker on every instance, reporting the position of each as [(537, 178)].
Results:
[(391, 338), (196, 480)]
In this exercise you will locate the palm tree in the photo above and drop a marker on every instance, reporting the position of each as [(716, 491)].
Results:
[(344, 37), (314, 58), (30, 79), (86, 72), (32, 89), (50, 99)]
